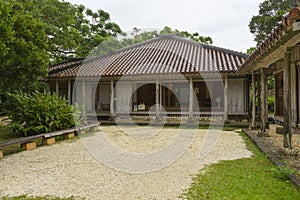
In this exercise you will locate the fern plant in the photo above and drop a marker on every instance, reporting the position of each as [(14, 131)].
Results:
[(41, 112)]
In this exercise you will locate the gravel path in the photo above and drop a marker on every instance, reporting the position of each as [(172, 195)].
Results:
[(68, 168)]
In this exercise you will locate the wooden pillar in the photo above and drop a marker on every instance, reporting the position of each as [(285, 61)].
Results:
[(297, 95), (57, 88), (226, 98), (287, 101), (112, 99), (264, 110), (160, 95), (258, 87), (191, 102), (69, 91), (253, 101), (157, 91), (83, 98)]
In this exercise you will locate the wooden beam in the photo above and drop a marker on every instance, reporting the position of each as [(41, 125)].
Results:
[(287, 101), (264, 104), (69, 91), (57, 88), (84, 98), (111, 98), (160, 95), (157, 91), (298, 92), (258, 88), (226, 98), (253, 101), (191, 102), (276, 52)]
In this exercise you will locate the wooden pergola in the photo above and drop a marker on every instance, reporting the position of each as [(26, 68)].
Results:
[(278, 55)]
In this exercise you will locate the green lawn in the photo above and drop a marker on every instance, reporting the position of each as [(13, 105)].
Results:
[(247, 178)]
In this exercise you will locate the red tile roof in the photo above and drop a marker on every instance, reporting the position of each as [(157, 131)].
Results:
[(282, 31), (165, 54)]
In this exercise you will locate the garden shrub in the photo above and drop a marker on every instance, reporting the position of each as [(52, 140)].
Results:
[(41, 112), (271, 103)]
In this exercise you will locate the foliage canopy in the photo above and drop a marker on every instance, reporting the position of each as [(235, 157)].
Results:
[(270, 13), (23, 44)]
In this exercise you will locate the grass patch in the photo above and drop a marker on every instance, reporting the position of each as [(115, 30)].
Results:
[(246, 178), (7, 134)]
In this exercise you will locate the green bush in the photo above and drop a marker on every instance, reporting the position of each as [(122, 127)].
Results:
[(271, 103), (41, 112)]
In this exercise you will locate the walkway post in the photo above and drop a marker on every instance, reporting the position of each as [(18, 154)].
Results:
[(253, 101), (264, 104), (287, 141)]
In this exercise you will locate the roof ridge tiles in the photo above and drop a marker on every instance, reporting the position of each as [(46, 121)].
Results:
[(172, 49)]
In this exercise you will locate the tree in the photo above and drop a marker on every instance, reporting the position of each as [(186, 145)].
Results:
[(251, 50), (138, 36), (270, 12), (23, 44), (194, 36), (111, 44), (72, 30)]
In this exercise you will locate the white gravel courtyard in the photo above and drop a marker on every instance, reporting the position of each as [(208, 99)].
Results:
[(69, 169)]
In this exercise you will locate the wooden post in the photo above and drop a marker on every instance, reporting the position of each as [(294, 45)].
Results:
[(297, 95), (226, 98), (160, 95), (57, 88), (83, 98), (157, 100), (191, 102), (287, 140), (69, 91), (258, 87), (253, 101), (112, 99), (263, 114)]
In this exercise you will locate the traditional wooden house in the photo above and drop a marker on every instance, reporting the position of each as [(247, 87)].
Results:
[(278, 55), (166, 71)]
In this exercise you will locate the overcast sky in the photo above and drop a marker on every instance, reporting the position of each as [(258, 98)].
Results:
[(225, 21)]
